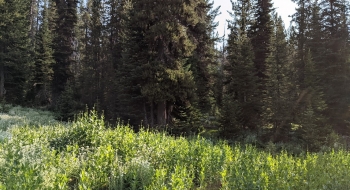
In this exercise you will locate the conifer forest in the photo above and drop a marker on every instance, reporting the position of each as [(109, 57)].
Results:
[(160, 64)]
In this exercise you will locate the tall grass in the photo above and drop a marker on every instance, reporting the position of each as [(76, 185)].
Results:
[(18, 116), (88, 155)]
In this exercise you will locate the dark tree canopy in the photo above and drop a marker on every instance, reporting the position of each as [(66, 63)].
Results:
[(155, 63)]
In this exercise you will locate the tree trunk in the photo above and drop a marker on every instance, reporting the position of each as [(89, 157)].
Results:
[(145, 112), (169, 111), (2, 81), (152, 114), (33, 17), (161, 113)]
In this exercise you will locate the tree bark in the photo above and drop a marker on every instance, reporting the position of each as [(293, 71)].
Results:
[(145, 112), (2, 80), (161, 113), (152, 114), (33, 20)]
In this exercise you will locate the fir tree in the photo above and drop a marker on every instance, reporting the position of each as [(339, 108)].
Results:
[(92, 62), (335, 67), (314, 128), (277, 103), (204, 59), (65, 51), (64, 41), (34, 19), (160, 44), (240, 89), (260, 34), (116, 42), (315, 41), (300, 18), (44, 58), (15, 50)]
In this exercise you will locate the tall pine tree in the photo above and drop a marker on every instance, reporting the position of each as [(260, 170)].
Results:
[(335, 67), (277, 102), (15, 50), (260, 33), (44, 60), (64, 45), (240, 84), (156, 70), (204, 58), (92, 62)]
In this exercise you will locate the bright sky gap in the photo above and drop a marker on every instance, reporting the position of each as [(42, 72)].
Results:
[(284, 8)]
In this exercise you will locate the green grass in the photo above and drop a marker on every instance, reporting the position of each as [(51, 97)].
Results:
[(87, 155), (18, 116)]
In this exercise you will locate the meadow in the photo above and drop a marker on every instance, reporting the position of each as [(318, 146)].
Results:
[(37, 152)]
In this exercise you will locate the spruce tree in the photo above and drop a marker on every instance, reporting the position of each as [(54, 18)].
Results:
[(98, 78), (277, 103), (44, 60), (240, 84), (156, 64), (64, 86), (204, 59), (15, 59), (64, 40), (124, 42), (315, 40), (260, 34), (312, 110), (314, 128), (34, 19), (115, 48), (335, 67), (92, 61), (300, 18)]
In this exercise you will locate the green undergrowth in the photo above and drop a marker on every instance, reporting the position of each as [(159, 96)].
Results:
[(18, 116), (86, 154)]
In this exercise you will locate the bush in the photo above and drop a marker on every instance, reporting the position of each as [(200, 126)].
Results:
[(18, 116), (85, 154)]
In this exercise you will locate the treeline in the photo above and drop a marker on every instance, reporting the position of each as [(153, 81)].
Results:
[(155, 63)]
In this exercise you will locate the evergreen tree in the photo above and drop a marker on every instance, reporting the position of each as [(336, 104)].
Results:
[(156, 63), (335, 67), (314, 128), (240, 85), (277, 102), (115, 48), (312, 109), (15, 59), (92, 61), (44, 58), (129, 104), (260, 33), (65, 51), (300, 18), (204, 59), (97, 81), (34, 20), (314, 34), (64, 40)]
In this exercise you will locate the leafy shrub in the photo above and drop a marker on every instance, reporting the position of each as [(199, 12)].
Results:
[(5, 108), (18, 116), (81, 132), (85, 154), (67, 104)]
